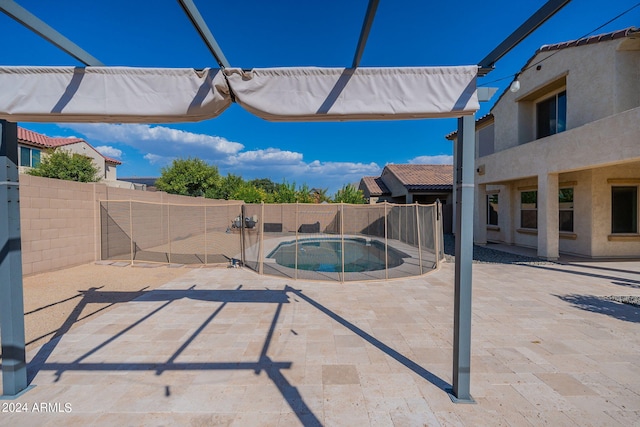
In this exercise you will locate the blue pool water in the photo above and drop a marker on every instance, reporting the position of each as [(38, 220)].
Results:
[(327, 254)]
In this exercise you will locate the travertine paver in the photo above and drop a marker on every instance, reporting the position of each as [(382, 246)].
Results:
[(229, 347)]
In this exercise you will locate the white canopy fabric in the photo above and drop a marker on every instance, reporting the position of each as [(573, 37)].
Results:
[(167, 95), (111, 94), (334, 94)]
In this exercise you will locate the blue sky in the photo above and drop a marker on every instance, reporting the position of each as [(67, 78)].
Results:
[(258, 33)]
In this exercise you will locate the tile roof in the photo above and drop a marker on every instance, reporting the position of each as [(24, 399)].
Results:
[(590, 40), (111, 159), (375, 186), (479, 122), (39, 140), (423, 177), (626, 32)]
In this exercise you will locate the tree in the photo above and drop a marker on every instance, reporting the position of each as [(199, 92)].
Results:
[(264, 184), (285, 193), (62, 164), (249, 193), (349, 194), (304, 195), (229, 186), (188, 177), (320, 195)]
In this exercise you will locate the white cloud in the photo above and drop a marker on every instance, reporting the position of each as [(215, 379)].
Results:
[(161, 145), (154, 159), (109, 151), (273, 156), (160, 140), (442, 159)]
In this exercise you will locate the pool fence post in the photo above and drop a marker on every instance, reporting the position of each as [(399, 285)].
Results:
[(386, 242), (243, 246), (14, 366), (295, 273), (131, 231), (205, 234), (418, 236), (436, 232), (342, 239), (169, 230), (261, 251)]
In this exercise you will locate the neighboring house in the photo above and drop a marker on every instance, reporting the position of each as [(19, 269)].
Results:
[(374, 190), (410, 184), (32, 146), (142, 183), (558, 160)]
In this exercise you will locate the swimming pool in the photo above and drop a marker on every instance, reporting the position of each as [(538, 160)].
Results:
[(326, 254)]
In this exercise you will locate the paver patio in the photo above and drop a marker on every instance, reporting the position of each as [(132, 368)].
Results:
[(229, 347)]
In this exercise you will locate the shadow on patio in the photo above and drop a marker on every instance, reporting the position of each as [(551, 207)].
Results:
[(263, 362), (603, 305)]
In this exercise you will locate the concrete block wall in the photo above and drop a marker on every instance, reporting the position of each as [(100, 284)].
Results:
[(60, 220), (57, 221)]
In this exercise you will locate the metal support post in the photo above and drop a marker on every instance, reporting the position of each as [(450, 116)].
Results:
[(14, 366), (464, 258)]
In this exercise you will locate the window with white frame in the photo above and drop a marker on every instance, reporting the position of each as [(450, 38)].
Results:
[(529, 209), (565, 203), (29, 157), (551, 115), (492, 209), (624, 209)]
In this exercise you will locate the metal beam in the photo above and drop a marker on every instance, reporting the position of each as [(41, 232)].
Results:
[(465, 169), (364, 33), (201, 26), (530, 25), (38, 26), (14, 366)]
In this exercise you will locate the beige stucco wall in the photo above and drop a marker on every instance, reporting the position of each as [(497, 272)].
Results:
[(110, 172), (601, 210), (601, 143), (395, 187), (86, 150), (609, 141), (107, 171), (603, 85)]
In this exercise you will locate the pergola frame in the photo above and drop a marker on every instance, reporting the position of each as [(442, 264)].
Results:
[(14, 372)]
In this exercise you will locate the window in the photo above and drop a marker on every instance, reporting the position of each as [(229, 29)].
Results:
[(492, 209), (552, 115), (29, 157), (529, 209), (565, 202), (624, 209)]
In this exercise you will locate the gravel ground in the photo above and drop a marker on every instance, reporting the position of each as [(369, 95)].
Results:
[(57, 301), (631, 300), (485, 255)]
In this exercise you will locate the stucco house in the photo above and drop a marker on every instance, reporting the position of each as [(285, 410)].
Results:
[(409, 184), (32, 146), (558, 158)]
